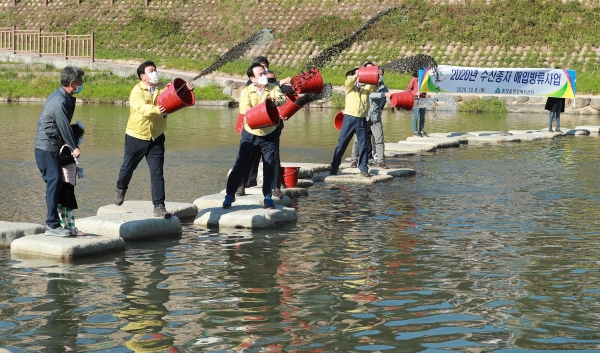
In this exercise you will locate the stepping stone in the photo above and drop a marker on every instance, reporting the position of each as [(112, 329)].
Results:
[(493, 138), (244, 216), (307, 170), (576, 132), (9, 231), (351, 178), (392, 154), (488, 133), (216, 200), (64, 249), (439, 142), (289, 192), (593, 129), (533, 135), (406, 146), (146, 208), (395, 172), (306, 183), (294, 193), (375, 170), (460, 136), (129, 226)]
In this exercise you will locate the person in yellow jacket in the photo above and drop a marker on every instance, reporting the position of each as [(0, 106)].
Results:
[(144, 137), (355, 112), (266, 139)]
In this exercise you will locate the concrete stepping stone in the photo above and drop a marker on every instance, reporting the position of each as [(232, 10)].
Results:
[(394, 154), (9, 231), (460, 136), (439, 142), (593, 129), (64, 249), (306, 183), (406, 146), (375, 170), (488, 133), (216, 200), (533, 135), (351, 178), (178, 209), (575, 132), (289, 192), (244, 216), (395, 172), (129, 226), (307, 170), (493, 138)]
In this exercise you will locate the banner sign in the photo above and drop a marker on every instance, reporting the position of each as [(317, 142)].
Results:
[(519, 82)]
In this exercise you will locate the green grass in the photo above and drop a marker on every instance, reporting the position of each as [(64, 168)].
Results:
[(99, 86), (493, 105)]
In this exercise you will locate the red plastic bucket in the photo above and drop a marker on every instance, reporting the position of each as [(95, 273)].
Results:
[(402, 100), (289, 108), (289, 176), (263, 115), (239, 126), (176, 96), (338, 120), (310, 81), (369, 75)]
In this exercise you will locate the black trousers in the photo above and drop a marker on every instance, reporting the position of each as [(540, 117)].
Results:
[(48, 165), (267, 146), (154, 151), (251, 171)]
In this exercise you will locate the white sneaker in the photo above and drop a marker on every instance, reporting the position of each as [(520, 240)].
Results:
[(58, 232)]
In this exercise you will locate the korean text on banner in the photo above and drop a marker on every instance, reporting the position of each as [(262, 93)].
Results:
[(520, 82)]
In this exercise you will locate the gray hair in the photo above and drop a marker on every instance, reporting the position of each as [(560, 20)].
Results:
[(70, 74)]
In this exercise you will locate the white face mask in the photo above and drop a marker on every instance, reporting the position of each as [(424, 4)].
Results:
[(263, 80), (153, 77)]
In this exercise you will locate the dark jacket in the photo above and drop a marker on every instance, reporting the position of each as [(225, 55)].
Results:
[(552, 104), (54, 124)]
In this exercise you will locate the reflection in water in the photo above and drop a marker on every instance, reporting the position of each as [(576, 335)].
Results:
[(487, 248)]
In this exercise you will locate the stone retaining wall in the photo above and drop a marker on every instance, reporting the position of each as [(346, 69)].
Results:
[(581, 105)]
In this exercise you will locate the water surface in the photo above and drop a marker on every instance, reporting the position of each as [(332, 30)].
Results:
[(489, 248)]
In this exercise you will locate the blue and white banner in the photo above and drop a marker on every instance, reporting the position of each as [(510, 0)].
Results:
[(519, 82)]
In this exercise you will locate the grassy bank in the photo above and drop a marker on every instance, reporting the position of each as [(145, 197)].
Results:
[(99, 86)]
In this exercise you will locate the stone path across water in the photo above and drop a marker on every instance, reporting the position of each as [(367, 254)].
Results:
[(113, 225)]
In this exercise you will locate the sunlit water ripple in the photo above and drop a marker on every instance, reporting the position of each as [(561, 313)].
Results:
[(487, 249)]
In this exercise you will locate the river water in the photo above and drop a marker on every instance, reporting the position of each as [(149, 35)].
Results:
[(488, 248)]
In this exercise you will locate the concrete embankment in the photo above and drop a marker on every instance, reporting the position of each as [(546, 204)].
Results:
[(581, 105)]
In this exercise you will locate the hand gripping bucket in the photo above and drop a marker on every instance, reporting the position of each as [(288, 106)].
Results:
[(289, 176), (338, 120), (176, 96), (263, 115), (310, 81), (402, 100), (239, 125), (289, 108), (369, 75)]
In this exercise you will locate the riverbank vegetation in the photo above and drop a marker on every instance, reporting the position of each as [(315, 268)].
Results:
[(38, 80), (503, 33)]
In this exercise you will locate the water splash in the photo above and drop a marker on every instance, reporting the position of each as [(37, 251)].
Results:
[(328, 54), (260, 38), (311, 97), (445, 104), (411, 63)]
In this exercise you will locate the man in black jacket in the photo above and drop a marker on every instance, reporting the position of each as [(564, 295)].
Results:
[(54, 130)]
